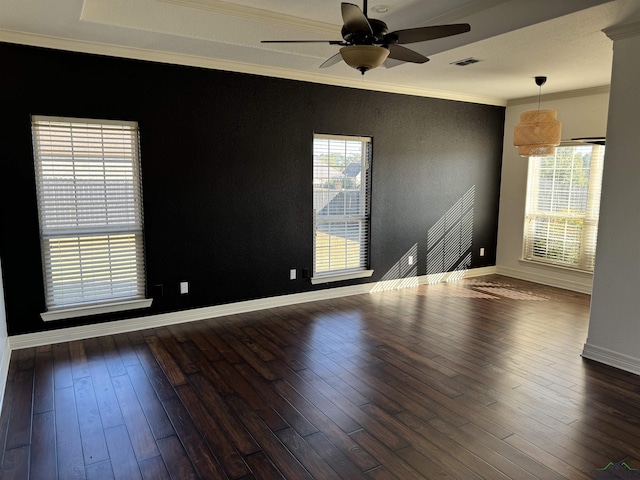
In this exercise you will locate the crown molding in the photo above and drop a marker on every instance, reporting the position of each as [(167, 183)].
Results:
[(256, 14), (66, 44), (618, 32), (584, 92)]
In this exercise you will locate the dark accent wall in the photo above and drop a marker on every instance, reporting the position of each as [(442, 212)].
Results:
[(227, 173)]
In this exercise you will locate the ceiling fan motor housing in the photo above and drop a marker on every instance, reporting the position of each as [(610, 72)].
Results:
[(380, 34)]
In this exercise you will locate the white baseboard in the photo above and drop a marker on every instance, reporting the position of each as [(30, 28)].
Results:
[(547, 278), (110, 328), (611, 358), (5, 358)]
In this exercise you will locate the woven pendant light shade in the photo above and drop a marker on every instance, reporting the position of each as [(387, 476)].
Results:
[(539, 131)]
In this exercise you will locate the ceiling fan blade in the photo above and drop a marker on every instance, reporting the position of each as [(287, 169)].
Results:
[(332, 60), (422, 34), (391, 62), (396, 52), (330, 42), (354, 20)]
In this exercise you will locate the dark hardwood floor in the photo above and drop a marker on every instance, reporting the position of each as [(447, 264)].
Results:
[(480, 378)]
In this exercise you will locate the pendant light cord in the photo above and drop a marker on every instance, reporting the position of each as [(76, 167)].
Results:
[(539, 94)]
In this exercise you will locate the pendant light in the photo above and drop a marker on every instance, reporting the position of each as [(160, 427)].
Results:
[(538, 132)]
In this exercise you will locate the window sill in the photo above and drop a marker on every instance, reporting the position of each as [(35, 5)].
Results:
[(554, 266), (85, 310), (342, 276)]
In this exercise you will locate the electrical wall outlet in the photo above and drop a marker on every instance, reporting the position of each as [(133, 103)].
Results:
[(184, 288), (410, 259), (292, 274), (482, 251)]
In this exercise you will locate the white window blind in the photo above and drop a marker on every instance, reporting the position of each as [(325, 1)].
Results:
[(563, 202), (341, 199), (90, 208)]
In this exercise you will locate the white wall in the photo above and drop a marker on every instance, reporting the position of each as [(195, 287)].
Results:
[(5, 353), (614, 325), (582, 114)]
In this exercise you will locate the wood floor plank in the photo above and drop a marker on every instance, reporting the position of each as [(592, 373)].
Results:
[(43, 380), (68, 441), (320, 402), (62, 377), (332, 430), (307, 456), (176, 459), (281, 457), (288, 412), (206, 368), (246, 391), (197, 334), (212, 329), (125, 348), (123, 458), (478, 378), (168, 364), (112, 358), (543, 457), (20, 415), (151, 405), (359, 415), (108, 406), (225, 452), (156, 376), (94, 445), (234, 430), (386, 457), (381, 473), (142, 439), (78, 356), (249, 355), (176, 351), (154, 469), (501, 462), (194, 444), (43, 464), (100, 471), (5, 415), (262, 467), (15, 465), (334, 457)]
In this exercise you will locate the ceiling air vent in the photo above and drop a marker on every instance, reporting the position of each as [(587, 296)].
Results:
[(465, 62)]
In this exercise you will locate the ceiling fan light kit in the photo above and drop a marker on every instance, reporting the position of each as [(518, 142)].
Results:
[(366, 42), (364, 57), (539, 131)]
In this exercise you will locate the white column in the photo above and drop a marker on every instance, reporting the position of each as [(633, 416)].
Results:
[(614, 326)]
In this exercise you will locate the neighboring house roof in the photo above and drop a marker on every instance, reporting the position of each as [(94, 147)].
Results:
[(323, 170), (352, 170)]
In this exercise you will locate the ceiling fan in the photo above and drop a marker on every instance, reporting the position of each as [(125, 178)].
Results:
[(366, 42)]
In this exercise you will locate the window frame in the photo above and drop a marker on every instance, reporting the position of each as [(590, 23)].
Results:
[(103, 162), (588, 220), (363, 218)]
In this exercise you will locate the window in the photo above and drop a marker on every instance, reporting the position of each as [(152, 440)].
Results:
[(90, 207), (563, 200), (341, 198)]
